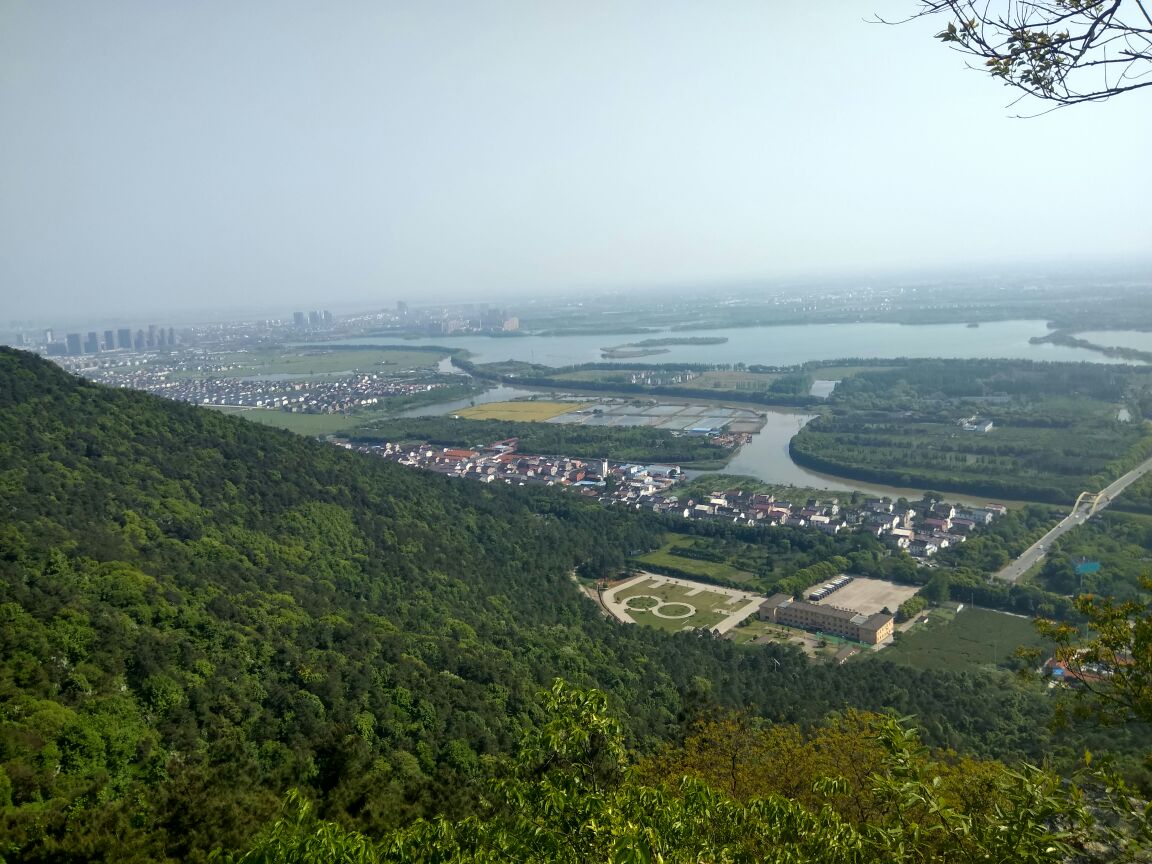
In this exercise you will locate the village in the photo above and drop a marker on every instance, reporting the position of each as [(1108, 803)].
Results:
[(921, 533), (191, 377)]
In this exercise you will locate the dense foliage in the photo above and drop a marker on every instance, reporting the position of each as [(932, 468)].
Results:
[(860, 790), (199, 613), (1106, 555), (1057, 427)]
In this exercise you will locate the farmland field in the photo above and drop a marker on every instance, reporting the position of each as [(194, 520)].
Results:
[(305, 424), (520, 410), (974, 637)]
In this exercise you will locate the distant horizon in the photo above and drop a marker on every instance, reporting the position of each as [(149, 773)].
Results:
[(1137, 268), (176, 160)]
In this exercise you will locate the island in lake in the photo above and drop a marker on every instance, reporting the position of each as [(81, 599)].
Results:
[(649, 347)]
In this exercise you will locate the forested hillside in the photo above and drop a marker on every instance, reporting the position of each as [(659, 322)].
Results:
[(198, 613)]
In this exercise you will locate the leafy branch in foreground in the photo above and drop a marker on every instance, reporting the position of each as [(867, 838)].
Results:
[(1061, 51), (1110, 656)]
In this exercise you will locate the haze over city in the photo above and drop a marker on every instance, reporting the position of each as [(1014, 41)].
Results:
[(173, 157)]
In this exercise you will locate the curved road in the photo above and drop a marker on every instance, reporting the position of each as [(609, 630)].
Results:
[(1037, 550)]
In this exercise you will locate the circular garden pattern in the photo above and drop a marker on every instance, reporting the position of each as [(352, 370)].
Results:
[(642, 602), (674, 610), (659, 608)]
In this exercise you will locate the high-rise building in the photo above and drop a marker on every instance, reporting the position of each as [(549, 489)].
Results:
[(48, 336), (92, 343), (327, 317), (72, 340), (314, 318), (171, 336), (401, 308), (109, 340), (124, 338), (298, 319), (151, 343), (138, 342)]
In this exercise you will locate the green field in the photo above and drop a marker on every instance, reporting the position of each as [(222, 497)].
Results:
[(664, 557), (972, 637), (839, 373), (332, 424), (756, 628), (528, 410), (711, 607), (304, 424), (615, 376), (713, 380), (721, 380)]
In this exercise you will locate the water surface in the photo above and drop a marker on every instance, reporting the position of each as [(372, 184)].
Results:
[(778, 346)]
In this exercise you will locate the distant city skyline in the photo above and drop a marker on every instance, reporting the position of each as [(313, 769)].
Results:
[(1137, 269), (200, 158)]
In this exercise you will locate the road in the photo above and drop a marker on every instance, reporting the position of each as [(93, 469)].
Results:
[(1039, 549)]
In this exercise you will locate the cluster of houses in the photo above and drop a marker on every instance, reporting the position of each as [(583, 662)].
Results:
[(653, 487), (332, 395), (661, 378), (611, 482), (921, 533)]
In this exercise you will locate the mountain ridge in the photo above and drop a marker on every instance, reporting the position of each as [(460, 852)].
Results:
[(200, 613)]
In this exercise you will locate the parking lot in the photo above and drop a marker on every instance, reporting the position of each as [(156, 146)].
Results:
[(867, 595)]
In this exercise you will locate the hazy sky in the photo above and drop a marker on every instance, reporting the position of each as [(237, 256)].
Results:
[(181, 154)]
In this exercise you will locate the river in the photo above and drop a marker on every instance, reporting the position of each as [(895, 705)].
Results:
[(766, 457)]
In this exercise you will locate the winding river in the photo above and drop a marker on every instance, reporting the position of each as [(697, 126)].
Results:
[(766, 457)]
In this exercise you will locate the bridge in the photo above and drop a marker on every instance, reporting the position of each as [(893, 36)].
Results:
[(1088, 504), (1093, 500)]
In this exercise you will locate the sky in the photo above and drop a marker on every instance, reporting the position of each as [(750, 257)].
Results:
[(159, 157)]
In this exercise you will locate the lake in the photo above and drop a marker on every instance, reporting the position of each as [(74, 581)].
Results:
[(775, 346), (766, 456)]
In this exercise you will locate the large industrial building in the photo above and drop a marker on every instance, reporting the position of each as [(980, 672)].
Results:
[(846, 623)]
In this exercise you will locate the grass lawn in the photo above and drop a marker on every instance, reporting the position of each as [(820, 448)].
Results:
[(839, 373), (742, 381), (615, 375), (304, 424), (756, 628), (974, 637), (711, 607), (520, 410), (663, 557)]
